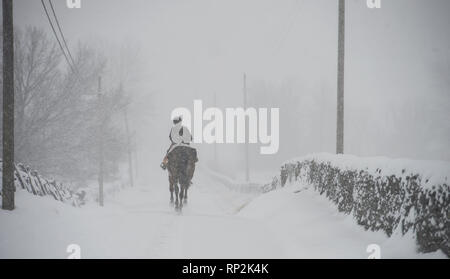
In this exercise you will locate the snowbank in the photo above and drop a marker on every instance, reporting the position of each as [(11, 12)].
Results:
[(392, 195), (231, 184), (309, 226), (38, 185)]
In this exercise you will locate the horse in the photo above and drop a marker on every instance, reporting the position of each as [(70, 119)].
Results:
[(181, 168)]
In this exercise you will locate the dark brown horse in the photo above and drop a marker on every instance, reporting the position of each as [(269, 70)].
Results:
[(181, 167)]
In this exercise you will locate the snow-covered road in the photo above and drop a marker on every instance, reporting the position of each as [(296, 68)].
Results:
[(217, 223)]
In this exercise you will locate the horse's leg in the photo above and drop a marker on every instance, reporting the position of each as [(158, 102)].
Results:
[(189, 173), (171, 185), (185, 194), (177, 203), (171, 193), (182, 186)]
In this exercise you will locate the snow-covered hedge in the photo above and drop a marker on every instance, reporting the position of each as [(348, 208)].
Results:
[(34, 183), (392, 195)]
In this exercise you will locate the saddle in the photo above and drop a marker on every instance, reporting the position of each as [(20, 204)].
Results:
[(165, 161)]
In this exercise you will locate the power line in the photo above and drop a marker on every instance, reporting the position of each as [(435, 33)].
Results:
[(56, 36), (61, 32)]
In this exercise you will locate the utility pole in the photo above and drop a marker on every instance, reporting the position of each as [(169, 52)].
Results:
[(247, 172), (215, 143), (340, 80), (136, 173), (130, 158), (100, 144), (8, 187)]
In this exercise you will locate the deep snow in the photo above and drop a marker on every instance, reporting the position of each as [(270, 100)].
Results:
[(293, 222)]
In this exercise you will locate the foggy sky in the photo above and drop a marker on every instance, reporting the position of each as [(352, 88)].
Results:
[(397, 83)]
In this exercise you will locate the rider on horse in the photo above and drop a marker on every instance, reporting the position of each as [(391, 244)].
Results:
[(180, 160)]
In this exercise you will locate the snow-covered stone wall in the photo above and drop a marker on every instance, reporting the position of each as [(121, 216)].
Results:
[(393, 195), (34, 183)]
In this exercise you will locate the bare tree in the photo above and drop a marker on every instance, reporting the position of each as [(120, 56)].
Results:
[(36, 73), (57, 125)]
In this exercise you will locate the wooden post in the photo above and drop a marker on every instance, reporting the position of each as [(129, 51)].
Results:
[(216, 162), (340, 80), (130, 157), (100, 140), (8, 167), (247, 171)]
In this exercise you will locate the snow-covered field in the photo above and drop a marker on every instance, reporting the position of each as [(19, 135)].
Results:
[(294, 222)]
